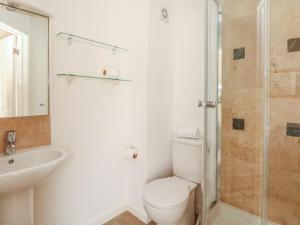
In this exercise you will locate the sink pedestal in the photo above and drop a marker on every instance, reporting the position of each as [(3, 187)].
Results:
[(22, 172), (17, 208)]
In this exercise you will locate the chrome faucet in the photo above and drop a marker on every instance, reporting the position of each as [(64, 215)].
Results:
[(11, 142)]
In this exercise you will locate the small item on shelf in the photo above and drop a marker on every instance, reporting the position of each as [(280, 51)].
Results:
[(110, 72), (69, 40)]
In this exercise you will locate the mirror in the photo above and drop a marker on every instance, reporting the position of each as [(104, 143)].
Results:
[(24, 47)]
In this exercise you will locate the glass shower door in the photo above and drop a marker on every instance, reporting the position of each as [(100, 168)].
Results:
[(284, 113), (212, 107), (252, 166), (234, 140)]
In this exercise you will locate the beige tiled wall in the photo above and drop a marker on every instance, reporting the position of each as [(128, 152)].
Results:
[(284, 198), (31, 131), (241, 170)]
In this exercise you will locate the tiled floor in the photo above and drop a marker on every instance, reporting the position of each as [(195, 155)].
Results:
[(126, 218)]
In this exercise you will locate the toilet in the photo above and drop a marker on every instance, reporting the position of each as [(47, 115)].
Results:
[(170, 200)]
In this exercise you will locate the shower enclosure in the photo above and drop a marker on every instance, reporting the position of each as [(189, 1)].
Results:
[(252, 166)]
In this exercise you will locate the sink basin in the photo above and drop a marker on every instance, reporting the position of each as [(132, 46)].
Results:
[(28, 167)]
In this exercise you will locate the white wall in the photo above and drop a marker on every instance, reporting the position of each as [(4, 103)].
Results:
[(161, 45), (138, 105), (176, 77), (95, 120), (188, 67), (91, 118)]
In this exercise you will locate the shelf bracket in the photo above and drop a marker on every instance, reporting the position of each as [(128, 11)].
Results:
[(69, 41)]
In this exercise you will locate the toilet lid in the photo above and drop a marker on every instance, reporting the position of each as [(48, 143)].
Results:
[(167, 192)]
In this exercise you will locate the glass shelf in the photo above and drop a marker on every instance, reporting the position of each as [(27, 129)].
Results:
[(92, 77), (72, 37)]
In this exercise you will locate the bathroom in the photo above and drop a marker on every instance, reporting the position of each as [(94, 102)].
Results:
[(135, 102)]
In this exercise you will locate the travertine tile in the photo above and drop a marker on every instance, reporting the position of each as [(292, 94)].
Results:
[(284, 197), (242, 98), (241, 168), (241, 184), (31, 131), (284, 151), (283, 110), (285, 85), (284, 182), (233, 10), (241, 73), (242, 150), (244, 145), (284, 212), (284, 25)]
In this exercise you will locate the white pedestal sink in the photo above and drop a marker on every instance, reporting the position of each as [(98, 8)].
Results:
[(18, 176)]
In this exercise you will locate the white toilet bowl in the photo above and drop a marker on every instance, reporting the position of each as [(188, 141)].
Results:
[(170, 201)]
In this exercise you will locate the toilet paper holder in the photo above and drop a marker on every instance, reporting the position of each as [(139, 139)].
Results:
[(130, 153)]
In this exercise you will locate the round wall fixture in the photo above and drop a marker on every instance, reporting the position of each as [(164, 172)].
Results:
[(164, 14)]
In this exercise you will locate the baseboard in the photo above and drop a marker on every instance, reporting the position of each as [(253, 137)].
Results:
[(107, 216), (141, 214)]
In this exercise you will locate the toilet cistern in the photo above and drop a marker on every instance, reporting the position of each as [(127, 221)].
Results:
[(170, 200)]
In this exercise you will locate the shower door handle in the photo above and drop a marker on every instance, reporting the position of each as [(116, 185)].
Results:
[(211, 105)]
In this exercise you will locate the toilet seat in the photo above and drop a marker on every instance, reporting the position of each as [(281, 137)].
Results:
[(167, 193)]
